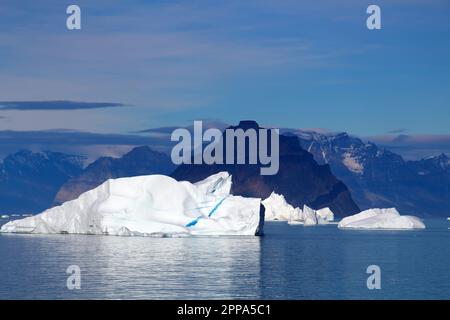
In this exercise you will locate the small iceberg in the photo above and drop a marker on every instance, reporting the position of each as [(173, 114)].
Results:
[(277, 209), (4, 216), (309, 216), (150, 206), (381, 219), (295, 222), (325, 215)]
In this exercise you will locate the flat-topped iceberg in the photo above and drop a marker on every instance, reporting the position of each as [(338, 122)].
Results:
[(151, 205), (277, 208), (381, 219)]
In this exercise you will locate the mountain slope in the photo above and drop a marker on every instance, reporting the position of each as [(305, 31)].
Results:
[(300, 179), (139, 161), (377, 177), (29, 181)]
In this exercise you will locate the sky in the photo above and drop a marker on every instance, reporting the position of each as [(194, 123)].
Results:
[(136, 65)]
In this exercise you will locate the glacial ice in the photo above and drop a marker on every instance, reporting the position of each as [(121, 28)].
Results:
[(150, 205), (381, 219), (309, 216), (324, 215), (277, 208)]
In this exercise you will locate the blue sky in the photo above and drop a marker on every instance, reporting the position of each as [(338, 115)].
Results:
[(297, 64)]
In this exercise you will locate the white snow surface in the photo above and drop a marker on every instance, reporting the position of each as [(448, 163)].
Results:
[(277, 208), (325, 215), (153, 205), (352, 163), (377, 218), (309, 216)]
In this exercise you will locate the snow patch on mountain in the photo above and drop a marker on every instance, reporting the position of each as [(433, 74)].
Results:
[(352, 163)]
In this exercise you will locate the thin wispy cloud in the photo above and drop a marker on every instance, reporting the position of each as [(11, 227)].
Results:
[(397, 131), (92, 145), (291, 63), (414, 146), (161, 130), (55, 105), (72, 138), (95, 145), (167, 130), (134, 53)]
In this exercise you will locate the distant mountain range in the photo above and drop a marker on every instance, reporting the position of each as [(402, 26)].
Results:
[(377, 177), (29, 181), (315, 169), (300, 179), (137, 162)]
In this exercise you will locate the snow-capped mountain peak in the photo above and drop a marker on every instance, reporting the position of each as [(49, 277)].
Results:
[(378, 177)]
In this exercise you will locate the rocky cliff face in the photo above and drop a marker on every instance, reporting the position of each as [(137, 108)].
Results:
[(300, 178)]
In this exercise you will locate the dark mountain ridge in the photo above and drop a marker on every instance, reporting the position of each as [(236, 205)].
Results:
[(300, 179), (29, 181)]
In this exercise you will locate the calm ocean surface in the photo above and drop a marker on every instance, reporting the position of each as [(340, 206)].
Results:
[(289, 262)]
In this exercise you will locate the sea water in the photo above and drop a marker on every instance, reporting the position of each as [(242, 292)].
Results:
[(288, 262)]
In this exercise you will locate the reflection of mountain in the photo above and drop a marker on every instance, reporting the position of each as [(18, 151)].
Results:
[(139, 161), (379, 178), (29, 181), (300, 179)]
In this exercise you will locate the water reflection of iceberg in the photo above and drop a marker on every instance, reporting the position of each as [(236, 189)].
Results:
[(171, 268)]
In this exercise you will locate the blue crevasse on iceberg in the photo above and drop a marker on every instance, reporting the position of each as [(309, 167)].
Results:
[(151, 205)]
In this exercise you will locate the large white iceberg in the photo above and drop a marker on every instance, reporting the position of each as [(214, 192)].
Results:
[(277, 208), (151, 205), (381, 219)]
